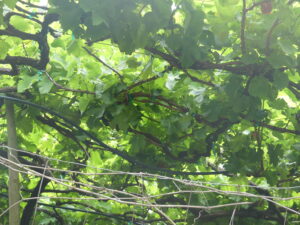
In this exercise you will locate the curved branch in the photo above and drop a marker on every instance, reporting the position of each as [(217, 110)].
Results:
[(40, 37), (279, 129), (33, 5), (201, 119), (58, 86), (106, 147), (235, 67), (101, 61)]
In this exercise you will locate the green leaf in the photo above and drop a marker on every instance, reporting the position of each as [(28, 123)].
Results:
[(281, 80), (25, 123), (162, 11), (287, 46), (125, 117), (277, 61), (275, 153), (271, 177), (165, 122), (212, 110), (147, 70), (26, 82), (10, 3), (260, 87), (193, 24), (278, 104), (99, 90), (84, 102), (151, 22), (233, 86), (47, 220), (45, 85), (250, 58), (19, 23), (1, 16), (97, 18), (95, 159), (70, 14), (184, 123), (240, 103), (75, 47), (58, 43), (297, 146), (132, 62), (87, 5), (190, 52), (137, 142), (4, 47)]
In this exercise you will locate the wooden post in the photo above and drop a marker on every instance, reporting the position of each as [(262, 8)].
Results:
[(13, 184)]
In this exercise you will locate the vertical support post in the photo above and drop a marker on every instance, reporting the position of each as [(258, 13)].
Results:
[(13, 183)]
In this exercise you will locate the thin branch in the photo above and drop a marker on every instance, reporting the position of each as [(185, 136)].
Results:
[(31, 14), (169, 58), (295, 85), (39, 192), (54, 214), (67, 132), (295, 92), (161, 98), (106, 147), (8, 89), (58, 86), (199, 118), (279, 129), (195, 79), (255, 5), (33, 5), (101, 61), (235, 67), (272, 206), (141, 82), (154, 140)]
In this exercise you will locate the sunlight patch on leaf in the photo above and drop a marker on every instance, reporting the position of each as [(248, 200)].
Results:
[(172, 80), (197, 92)]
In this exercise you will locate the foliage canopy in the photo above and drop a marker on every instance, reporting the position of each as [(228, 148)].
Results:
[(204, 94)]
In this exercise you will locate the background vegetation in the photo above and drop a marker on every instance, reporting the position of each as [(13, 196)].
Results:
[(153, 111)]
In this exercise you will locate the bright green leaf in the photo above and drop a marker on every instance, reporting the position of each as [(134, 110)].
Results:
[(26, 83), (84, 102), (45, 85), (4, 47)]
